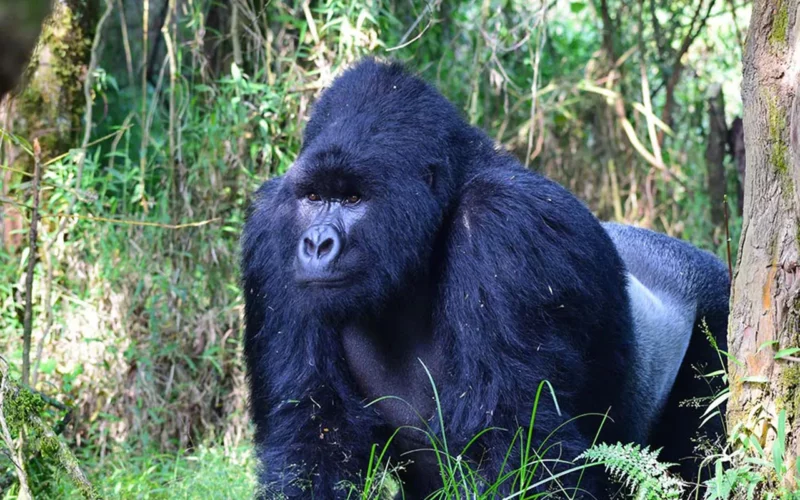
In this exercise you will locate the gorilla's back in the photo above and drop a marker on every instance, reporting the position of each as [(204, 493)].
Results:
[(673, 287)]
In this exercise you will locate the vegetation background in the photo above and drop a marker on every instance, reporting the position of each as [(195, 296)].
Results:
[(145, 125)]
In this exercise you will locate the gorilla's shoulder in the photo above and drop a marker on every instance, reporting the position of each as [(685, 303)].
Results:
[(521, 227), (509, 199)]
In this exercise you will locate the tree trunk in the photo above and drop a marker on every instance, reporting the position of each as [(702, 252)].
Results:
[(715, 154), (736, 145), (765, 316)]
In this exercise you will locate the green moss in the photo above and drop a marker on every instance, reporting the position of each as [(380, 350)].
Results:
[(49, 447), (19, 404), (53, 99), (779, 152), (797, 241), (790, 390), (778, 157), (790, 375), (777, 119), (780, 26)]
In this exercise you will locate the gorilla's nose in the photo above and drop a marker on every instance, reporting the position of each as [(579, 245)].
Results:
[(319, 247)]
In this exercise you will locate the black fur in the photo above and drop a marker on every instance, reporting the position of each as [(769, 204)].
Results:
[(493, 276)]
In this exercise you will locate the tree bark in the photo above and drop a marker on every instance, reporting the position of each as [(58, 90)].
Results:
[(765, 316)]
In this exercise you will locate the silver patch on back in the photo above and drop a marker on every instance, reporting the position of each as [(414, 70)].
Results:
[(663, 327)]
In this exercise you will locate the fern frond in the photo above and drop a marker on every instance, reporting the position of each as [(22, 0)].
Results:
[(637, 469)]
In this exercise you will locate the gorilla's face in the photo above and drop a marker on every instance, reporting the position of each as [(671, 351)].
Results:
[(364, 224)]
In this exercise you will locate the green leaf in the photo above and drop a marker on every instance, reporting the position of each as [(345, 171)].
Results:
[(766, 344), (756, 445), (708, 418), (786, 352), (759, 462), (779, 446), (577, 7), (718, 401), (47, 366)]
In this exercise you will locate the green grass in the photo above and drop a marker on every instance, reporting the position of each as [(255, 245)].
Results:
[(210, 472)]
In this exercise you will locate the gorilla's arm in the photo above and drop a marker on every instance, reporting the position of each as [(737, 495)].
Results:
[(531, 290), (312, 435)]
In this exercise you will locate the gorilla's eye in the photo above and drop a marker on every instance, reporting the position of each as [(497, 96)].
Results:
[(352, 199), (313, 197)]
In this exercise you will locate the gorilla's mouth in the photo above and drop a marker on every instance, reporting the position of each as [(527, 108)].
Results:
[(323, 281)]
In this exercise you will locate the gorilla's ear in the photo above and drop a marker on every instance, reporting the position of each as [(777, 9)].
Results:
[(430, 175)]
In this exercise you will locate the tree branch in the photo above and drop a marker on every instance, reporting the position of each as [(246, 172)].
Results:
[(27, 328), (608, 30)]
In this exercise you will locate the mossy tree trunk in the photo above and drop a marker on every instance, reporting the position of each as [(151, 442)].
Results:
[(48, 105), (765, 317)]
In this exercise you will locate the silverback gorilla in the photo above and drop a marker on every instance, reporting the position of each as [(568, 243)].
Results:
[(403, 237)]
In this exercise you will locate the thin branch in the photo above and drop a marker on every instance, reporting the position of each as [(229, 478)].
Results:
[(535, 83), (15, 203), (126, 42), (608, 29), (235, 41), (739, 37), (143, 118), (692, 36), (138, 223), (429, 7), (173, 73), (417, 37), (27, 328), (312, 25), (651, 127), (47, 299)]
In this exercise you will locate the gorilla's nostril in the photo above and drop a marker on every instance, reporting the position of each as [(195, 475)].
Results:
[(325, 247), (308, 246)]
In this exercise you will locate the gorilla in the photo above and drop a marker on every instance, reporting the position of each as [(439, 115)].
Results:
[(403, 248)]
